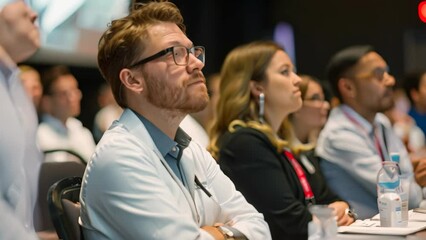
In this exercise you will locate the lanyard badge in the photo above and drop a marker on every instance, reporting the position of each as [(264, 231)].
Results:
[(307, 190)]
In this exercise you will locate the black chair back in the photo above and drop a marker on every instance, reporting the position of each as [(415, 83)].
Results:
[(50, 173), (64, 208)]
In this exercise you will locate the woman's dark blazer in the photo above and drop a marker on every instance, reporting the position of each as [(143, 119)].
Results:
[(268, 181)]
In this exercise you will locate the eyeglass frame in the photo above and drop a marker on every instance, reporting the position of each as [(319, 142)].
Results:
[(67, 93), (171, 49), (315, 98), (373, 73)]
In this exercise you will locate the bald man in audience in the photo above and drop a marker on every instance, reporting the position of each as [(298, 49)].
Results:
[(31, 81), (19, 157)]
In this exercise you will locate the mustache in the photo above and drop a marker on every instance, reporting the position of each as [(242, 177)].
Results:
[(389, 91), (196, 76)]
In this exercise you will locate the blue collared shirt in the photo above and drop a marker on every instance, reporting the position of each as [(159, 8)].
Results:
[(350, 159), (170, 149), (19, 156)]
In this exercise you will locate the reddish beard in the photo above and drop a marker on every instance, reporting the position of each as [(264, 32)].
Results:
[(176, 97)]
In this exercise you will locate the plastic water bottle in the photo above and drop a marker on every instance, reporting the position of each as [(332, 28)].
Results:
[(388, 199), (403, 191), (323, 226)]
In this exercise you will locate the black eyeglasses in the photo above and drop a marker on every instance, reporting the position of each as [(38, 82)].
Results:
[(378, 73), (315, 98), (180, 55)]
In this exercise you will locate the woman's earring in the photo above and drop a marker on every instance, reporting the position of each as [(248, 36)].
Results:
[(261, 107)]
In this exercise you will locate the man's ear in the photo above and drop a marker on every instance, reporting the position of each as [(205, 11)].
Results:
[(414, 95), (256, 88), (130, 81), (346, 87)]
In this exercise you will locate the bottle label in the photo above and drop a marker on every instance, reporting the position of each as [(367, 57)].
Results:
[(404, 209), (390, 207)]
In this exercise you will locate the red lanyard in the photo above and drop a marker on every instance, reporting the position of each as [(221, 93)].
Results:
[(309, 195), (376, 138)]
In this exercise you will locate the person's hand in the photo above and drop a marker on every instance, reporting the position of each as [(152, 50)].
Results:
[(214, 232), (419, 166), (47, 235), (415, 162), (343, 219)]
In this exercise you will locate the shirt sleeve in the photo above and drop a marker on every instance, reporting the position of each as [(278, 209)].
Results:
[(10, 226), (235, 210)]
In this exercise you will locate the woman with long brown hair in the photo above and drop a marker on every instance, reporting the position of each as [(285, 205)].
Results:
[(259, 89)]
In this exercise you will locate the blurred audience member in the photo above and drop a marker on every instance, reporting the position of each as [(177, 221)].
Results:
[(109, 111), (357, 136), (258, 90), (415, 88), (32, 84), (404, 125), (301, 130), (20, 159), (311, 117), (197, 124), (59, 129), (420, 175)]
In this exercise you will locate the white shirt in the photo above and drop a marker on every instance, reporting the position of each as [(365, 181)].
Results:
[(52, 134), (195, 130), (130, 192)]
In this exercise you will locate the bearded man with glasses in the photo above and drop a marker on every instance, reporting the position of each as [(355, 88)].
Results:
[(357, 137), (147, 179)]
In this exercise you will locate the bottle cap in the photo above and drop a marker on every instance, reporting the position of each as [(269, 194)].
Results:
[(395, 157)]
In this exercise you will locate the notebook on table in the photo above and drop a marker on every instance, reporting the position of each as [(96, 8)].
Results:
[(373, 227)]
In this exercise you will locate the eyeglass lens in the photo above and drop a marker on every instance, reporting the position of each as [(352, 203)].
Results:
[(379, 73), (181, 54)]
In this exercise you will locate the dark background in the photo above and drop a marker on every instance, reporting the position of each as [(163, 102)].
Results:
[(321, 28)]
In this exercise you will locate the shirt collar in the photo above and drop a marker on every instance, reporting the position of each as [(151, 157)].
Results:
[(55, 124), (8, 73), (361, 121), (161, 140)]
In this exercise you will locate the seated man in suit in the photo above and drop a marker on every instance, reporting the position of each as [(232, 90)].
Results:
[(357, 136)]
